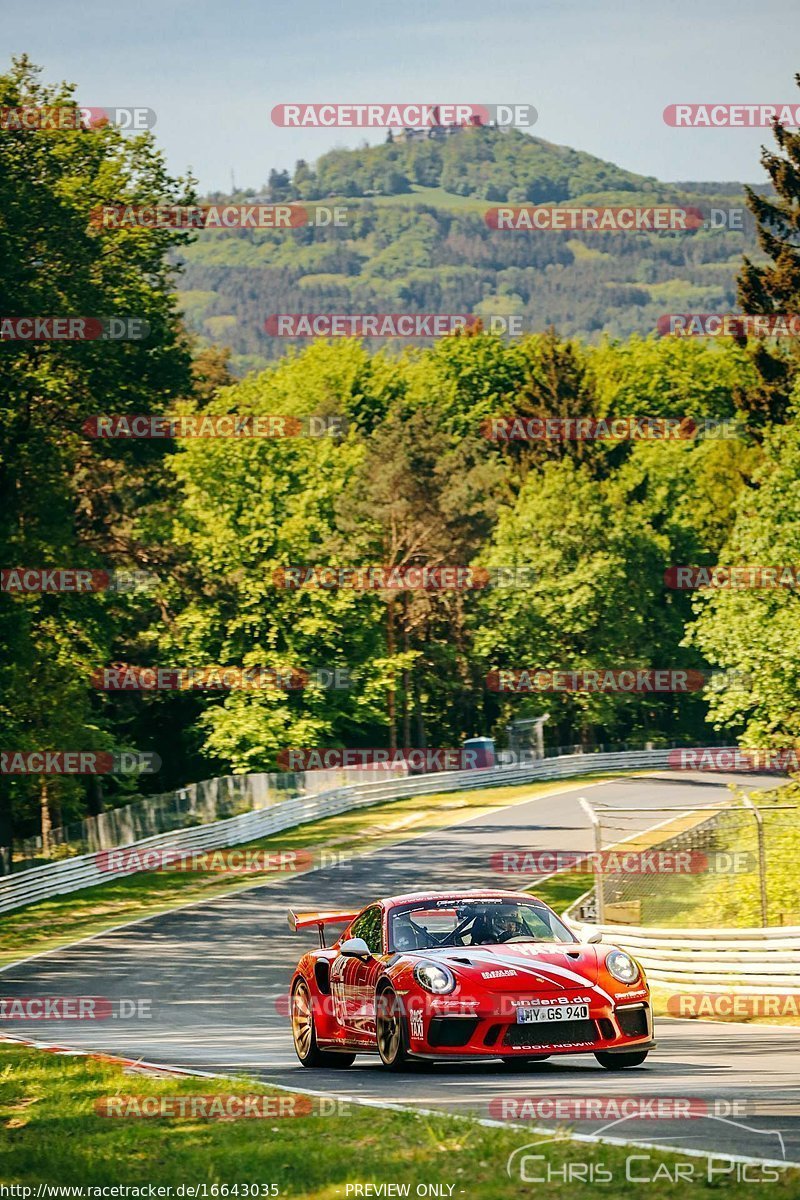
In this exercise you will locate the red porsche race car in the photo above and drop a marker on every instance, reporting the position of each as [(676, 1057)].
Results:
[(464, 975)]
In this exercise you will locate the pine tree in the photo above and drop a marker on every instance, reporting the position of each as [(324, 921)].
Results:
[(774, 287)]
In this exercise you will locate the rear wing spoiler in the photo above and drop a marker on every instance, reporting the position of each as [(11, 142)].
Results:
[(303, 920)]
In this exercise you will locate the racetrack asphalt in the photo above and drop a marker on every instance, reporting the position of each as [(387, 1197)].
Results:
[(216, 973)]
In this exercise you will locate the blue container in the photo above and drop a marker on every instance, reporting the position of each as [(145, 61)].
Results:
[(482, 752)]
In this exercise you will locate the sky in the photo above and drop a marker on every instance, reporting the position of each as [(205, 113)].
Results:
[(599, 72)]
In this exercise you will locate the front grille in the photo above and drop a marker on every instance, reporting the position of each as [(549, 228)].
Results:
[(451, 1031), (492, 1035), (557, 1033), (633, 1021)]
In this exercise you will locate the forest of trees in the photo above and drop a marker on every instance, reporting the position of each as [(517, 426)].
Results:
[(416, 238), (493, 164), (422, 258), (412, 480)]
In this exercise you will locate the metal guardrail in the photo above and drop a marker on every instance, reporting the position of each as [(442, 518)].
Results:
[(730, 960), (85, 870)]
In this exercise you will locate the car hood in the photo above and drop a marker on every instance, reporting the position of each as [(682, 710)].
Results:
[(523, 965)]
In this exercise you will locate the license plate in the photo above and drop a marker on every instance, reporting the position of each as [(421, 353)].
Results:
[(543, 1016)]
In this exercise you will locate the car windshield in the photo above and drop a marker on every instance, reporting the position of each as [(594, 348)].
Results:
[(427, 925)]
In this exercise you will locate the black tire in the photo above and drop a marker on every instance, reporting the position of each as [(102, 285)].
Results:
[(305, 1036), (524, 1060), (391, 1030), (618, 1062)]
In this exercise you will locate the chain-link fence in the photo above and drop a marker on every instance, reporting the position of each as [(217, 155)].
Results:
[(732, 865), (196, 804)]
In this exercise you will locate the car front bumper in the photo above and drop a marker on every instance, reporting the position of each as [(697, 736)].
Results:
[(491, 1033)]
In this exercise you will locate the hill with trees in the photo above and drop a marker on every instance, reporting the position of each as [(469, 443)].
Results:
[(417, 240)]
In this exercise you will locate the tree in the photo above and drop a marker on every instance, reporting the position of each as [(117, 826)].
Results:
[(304, 182), (65, 499), (774, 287), (754, 632), (249, 508), (394, 182), (278, 185), (422, 498), (593, 604), (558, 385)]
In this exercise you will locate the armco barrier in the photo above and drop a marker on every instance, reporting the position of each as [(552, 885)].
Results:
[(729, 960), (83, 871)]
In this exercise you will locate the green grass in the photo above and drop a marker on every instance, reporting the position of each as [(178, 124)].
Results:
[(562, 890), (52, 1134), (52, 923)]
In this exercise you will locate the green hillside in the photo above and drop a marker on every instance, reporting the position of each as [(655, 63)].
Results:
[(416, 239)]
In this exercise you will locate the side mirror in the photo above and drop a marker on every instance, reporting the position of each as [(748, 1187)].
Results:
[(595, 938), (355, 948)]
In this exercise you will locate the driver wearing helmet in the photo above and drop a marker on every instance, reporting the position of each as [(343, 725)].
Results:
[(404, 935), (508, 923)]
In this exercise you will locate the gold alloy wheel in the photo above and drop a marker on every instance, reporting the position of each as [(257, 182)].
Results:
[(302, 1021)]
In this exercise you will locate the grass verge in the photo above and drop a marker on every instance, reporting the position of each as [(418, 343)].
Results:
[(53, 1134)]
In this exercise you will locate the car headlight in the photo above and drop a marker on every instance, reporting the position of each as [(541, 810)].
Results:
[(622, 966), (434, 978)]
